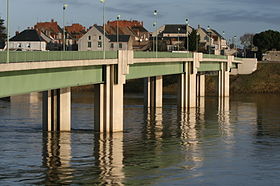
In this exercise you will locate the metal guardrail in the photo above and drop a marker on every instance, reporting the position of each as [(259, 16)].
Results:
[(162, 55), (212, 56), (36, 56)]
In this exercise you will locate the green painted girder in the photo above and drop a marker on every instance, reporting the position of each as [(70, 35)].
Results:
[(142, 70), (21, 82), (209, 66)]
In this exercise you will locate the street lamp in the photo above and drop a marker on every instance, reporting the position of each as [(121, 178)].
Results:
[(197, 36), (156, 15), (103, 3), (118, 18), (178, 39), (187, 25), (8, 30), (154, 24), (208, 28), (64, 38), (234, 45)]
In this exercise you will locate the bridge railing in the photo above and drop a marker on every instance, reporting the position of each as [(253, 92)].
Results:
[(36, 56), (212, 56), (162, 55)]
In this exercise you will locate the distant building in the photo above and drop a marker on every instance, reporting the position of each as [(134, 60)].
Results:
[(213, 40), (174, 35), (55, 33), (28, 40), (76, 31), (135, 29), (93, 41)]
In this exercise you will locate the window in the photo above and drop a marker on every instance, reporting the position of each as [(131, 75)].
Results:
[(99, 38), (89, 44), (89, 37), (112, 45), (120, 45), (19, 45), (99, 44), (28, 45)]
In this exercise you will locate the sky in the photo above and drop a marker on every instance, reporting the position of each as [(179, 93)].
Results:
[(235, 17)]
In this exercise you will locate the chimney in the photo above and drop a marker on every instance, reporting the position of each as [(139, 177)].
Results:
[(17, 33), (52, 20), (198, 26)]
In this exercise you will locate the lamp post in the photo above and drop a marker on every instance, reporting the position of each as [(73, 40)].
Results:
[(208, 28), (154, 24), (103, 3), (178, 39), (156, 15), (118, 18), (197, 36), (64, 38), (8, 30), (187, 26), (234, 46)]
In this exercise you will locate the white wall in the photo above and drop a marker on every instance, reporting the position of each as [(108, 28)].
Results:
[(28, 45)]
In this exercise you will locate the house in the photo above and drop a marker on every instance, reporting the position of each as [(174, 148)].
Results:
[(93, 41), (54, 32), (174, 35), (210, 38), (75, 31), (28, 40), (135, 29)]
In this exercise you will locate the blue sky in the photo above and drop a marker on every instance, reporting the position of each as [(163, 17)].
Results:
[(235, 17)]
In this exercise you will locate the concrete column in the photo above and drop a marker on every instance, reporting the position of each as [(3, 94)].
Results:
[(153, 92), (116, 101), (223, 85), (65, 109), (187, 87), (192, 90), (99, 107), (57, 110)]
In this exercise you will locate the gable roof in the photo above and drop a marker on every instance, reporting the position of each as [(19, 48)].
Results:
[(122, 38), (215, 32), (174, 28), (27, 35)]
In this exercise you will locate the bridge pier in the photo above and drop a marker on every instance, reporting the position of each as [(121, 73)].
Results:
[(153, 92), (108, 98), (57, 110), (223, 86)]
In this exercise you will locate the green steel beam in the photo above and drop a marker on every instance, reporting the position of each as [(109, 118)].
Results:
[(142, 70), (162, 55), (21, 82), (209, 67)]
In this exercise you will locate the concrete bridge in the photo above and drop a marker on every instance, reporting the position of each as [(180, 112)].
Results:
[(54, 73)]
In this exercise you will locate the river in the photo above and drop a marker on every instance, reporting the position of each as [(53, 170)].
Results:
[(237, 144)]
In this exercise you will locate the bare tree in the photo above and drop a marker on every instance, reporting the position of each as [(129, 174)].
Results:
[(247, 40)]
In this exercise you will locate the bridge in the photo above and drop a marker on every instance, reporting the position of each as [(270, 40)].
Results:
[(54, 73)]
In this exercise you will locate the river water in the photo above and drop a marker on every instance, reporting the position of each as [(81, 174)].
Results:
[(236, 144)]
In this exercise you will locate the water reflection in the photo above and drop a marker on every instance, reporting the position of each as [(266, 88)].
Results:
[(189, 134), (224, 117), (154, 125), (108, 150), (56, 155)]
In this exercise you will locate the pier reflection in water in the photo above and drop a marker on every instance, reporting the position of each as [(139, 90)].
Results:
[(235, 141)]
